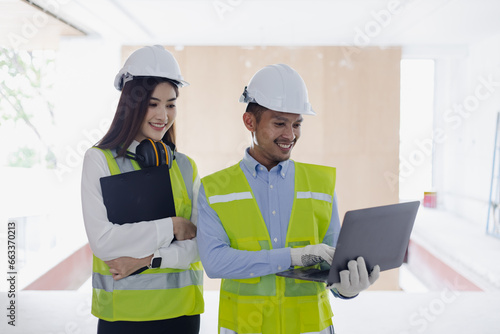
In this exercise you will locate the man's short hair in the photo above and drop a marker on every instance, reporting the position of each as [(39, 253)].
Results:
[(256, 109)]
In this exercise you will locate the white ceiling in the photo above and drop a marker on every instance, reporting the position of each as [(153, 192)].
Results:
[(280, 22)]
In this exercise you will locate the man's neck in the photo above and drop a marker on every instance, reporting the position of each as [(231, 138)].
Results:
[(264, 162)]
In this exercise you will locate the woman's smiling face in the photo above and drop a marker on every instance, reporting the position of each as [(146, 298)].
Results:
[(161, 113)]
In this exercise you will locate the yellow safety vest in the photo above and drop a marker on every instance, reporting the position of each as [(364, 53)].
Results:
[(272, 304), (154, 294)]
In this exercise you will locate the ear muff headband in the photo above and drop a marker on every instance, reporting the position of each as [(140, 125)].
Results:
[(157, 161), (167, 160), (152, 154)]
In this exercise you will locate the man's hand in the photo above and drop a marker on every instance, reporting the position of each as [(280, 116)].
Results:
[(183, 228), (312, 254), (356, 279), (124, 266)]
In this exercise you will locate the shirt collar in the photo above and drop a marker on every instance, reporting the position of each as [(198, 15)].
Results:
[(253, 165), (133, 146)]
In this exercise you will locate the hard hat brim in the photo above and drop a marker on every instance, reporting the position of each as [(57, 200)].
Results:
[(122, 78), (246, 98)]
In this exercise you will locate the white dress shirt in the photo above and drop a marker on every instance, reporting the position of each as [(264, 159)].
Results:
[(109, 241)]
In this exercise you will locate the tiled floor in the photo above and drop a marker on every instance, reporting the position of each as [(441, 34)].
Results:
[(418, 310), (374, 312)]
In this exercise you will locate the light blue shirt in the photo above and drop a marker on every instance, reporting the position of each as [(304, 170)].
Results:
[(274, 193)]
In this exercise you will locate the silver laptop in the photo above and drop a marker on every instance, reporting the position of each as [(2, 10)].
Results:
[(380, 235)]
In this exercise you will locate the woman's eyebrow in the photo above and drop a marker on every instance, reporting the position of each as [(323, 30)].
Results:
[(157, 99)]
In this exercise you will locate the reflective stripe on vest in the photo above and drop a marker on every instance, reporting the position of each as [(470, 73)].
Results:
[(328, 330), (229, 197), (271, 304), (309, 194), (155, 294), (161, 281)]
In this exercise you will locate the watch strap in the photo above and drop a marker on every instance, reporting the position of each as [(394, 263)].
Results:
[(155, 260)]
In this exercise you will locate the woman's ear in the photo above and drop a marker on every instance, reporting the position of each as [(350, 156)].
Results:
[(249, 121)]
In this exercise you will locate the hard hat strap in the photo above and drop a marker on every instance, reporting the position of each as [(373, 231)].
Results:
[(246, 97)]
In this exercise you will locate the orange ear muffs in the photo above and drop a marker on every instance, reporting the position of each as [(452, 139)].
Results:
[(152, 154)]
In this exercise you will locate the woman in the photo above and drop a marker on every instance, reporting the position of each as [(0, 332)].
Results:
[(168, 297)]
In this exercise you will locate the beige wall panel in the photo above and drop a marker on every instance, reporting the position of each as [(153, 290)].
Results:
[(355, 95), (362, 109), (210, 126)]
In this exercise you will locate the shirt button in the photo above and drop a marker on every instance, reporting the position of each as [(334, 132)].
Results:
[(274, 212), (251, 274), (254, 174), (261, 168), (283, 174), (275, 239), (279, 267), (271, 186)]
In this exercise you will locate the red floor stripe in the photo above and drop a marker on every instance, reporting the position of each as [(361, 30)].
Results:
[(69, 274), (434, 273)]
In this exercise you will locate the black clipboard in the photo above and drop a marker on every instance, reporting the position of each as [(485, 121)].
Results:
[(141, 195)]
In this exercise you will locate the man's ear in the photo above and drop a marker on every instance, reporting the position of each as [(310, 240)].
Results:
[(249, 121)]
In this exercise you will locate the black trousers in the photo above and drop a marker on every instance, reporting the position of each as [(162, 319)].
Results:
[(182, 325)]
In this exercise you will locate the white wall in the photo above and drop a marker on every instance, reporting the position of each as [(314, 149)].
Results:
[(85, 102), (467, 100)]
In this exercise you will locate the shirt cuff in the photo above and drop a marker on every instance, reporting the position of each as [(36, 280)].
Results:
[(338, 295), (165, 232), (280, 259)]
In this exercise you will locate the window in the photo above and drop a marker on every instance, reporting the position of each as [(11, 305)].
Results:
[(416, 128)]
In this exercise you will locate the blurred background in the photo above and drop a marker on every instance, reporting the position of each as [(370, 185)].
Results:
[(407, 95)]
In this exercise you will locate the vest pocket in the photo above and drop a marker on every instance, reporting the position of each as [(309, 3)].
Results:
[(241, 314), (315, 313), (252, 280), (250, 244)]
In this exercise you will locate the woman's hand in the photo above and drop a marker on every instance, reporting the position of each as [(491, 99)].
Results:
[(183, 228), (124, 266)]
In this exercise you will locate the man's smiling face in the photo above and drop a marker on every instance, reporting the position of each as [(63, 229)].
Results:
[(273, 136)]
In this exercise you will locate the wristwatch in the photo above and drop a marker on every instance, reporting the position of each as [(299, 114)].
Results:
[(156, 260)]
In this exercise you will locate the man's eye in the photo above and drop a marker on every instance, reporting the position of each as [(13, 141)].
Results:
[(298, 125), (279, 124)]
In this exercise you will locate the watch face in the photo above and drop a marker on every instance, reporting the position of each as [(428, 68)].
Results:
[(156, 263)]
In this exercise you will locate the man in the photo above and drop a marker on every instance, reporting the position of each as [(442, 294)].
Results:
[(268, 213)]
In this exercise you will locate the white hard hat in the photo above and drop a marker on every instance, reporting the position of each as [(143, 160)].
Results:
[(278, 87), (150, 61)]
